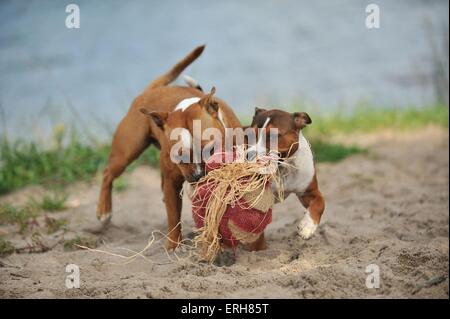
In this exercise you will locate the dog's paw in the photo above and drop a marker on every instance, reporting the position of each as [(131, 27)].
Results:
[(306, 227), (171, 245), (104, 218)]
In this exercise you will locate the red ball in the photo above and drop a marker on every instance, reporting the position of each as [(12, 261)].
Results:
[(245, 223)]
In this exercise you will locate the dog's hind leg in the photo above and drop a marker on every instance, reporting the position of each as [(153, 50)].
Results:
[(129, 141), (110, 173)]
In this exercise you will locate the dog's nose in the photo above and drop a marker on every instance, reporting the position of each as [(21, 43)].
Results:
[(197, 175)]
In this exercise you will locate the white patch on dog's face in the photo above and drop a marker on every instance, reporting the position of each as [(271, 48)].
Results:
[(259, 147), (220, 116), (184, 104), (307, 226), (261, 139)]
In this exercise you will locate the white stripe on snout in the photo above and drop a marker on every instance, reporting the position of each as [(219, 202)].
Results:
[(259, 147), (221, 120), (266, 122), (184, 104), (260, 140)]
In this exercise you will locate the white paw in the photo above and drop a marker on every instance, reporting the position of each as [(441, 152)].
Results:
[(104, 218), (306, 227)]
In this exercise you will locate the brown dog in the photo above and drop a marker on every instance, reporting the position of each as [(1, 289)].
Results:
[(299, 176), (165, 108)]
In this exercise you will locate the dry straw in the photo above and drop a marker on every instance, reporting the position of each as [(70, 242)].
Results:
[(229, 184)]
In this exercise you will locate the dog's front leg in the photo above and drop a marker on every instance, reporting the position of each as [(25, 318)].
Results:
[(315, 205), (173, 202)]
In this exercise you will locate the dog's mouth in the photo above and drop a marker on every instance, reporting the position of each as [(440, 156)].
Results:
[(287, 153), (283, 155), (197, 174), (193, 179)]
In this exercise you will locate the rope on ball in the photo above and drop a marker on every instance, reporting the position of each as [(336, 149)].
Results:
[(227, 185)]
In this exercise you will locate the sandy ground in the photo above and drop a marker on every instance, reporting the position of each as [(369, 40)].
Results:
[(388, 207)]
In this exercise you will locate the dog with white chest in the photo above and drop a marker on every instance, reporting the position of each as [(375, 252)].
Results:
[(299, 173)]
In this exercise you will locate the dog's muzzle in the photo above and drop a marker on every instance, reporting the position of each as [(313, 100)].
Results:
[(197, 175)]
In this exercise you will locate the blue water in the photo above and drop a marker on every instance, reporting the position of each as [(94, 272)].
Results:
[(258, 53)]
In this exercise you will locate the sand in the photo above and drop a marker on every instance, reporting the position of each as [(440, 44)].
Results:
[(388, 207)]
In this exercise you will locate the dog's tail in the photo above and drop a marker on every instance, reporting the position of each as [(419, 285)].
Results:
[(177, 69)]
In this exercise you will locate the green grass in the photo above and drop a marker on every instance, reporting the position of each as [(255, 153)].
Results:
[(20, 215), (71, 244), (23, 215), (28, 163), (6, 248), (366, 119), (369, 119), (51, 202), (330, 152), (53, 225)]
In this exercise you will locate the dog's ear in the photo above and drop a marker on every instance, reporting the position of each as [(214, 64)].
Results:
[(208, 103), (159, 118), (259, 110), (301, 119)]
